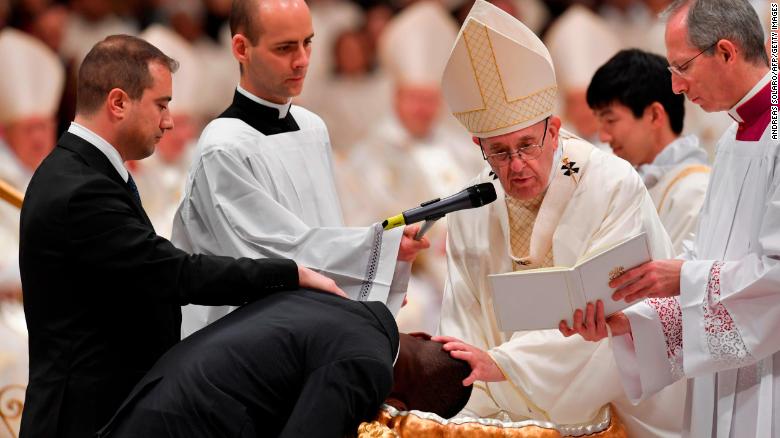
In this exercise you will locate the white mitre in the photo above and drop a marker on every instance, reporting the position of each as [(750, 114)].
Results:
[(33, 77), (187, 81), (580, 42), (500, 77), (415, 45)]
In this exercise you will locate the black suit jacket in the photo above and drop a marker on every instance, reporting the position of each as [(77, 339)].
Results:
[(298, 364), (102, 292)]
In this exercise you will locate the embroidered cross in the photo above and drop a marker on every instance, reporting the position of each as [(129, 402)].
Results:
[(569, 169)]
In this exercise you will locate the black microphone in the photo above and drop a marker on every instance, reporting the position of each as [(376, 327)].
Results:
[(471, 197)]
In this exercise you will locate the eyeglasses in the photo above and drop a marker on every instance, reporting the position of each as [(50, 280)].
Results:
[(680, 70), (525, 153)]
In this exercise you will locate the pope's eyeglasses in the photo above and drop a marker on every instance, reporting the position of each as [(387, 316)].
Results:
[(525, 153)]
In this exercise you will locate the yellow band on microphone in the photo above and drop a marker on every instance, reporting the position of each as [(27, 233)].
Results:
[(395, 221)]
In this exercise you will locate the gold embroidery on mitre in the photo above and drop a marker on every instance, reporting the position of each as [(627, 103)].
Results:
[(616, 272), (497, 110)]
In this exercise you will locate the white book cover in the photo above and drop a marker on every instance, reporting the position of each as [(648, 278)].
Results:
[(539, 299)]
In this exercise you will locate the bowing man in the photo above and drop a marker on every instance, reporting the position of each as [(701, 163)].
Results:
[(298, 364)]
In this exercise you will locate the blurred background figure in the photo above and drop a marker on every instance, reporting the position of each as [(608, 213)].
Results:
[(579, 42), (89, 22), (352, 94), (212, 90), (329, 19), (30, 92), (161, 177), (412, 154)]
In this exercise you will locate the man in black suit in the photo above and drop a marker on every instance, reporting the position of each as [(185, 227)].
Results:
[(299, 364), (102, 292)]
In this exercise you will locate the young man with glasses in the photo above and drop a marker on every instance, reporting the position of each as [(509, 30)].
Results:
[(713, 316), (558, 199)]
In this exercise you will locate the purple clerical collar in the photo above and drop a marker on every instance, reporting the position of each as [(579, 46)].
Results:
[(753, 112)]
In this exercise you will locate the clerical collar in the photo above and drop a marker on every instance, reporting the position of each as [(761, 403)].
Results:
[(261, 115), (282, 108), (752, 112), (102, 145)]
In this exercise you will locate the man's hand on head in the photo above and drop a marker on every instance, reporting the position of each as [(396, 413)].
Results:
[(409, 248), (314, 280), (483, 367)]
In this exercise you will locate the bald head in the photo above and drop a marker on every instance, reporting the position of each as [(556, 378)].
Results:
[(247, 16)]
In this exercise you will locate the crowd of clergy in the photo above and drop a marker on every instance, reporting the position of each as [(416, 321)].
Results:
[(375, 79)]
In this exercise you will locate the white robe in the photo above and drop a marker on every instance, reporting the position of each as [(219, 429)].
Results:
[(251, 195), (677, 181), (549, 377), (722, 332), (161, 186), (391, 171)]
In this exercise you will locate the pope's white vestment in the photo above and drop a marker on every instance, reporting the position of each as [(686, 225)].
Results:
[(722, 331), (677, 181), (255, 195), (549, 377)]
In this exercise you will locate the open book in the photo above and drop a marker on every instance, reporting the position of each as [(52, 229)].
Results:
[(540, 298)]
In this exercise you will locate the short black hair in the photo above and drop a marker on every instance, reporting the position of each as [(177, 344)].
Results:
[(636, 79), (438, 386)]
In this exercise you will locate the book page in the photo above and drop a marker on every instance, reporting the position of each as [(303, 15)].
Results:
[(533, 299), (598, 271)]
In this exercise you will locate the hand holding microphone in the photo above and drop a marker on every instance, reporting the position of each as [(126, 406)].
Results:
[(412, 243)]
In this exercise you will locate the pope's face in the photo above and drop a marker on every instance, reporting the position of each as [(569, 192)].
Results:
[(630, 137), (524, 179), (276, 66)]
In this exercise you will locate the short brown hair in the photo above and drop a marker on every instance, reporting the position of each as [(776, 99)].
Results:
[(119, 61), (244, 19)]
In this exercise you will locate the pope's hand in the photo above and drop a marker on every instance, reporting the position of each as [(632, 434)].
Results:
[(656, 279), (483, 367), (409, 248), (314, 280), (593, 327)]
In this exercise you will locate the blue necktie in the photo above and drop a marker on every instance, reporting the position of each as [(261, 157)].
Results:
[(133, 188)]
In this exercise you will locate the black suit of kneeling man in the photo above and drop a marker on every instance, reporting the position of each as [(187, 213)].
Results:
[(297, 364), (102, 292)]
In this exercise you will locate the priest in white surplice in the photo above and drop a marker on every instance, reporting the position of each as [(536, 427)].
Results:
[(641, 119), (558, 199), (261, 184), (713, 315)]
